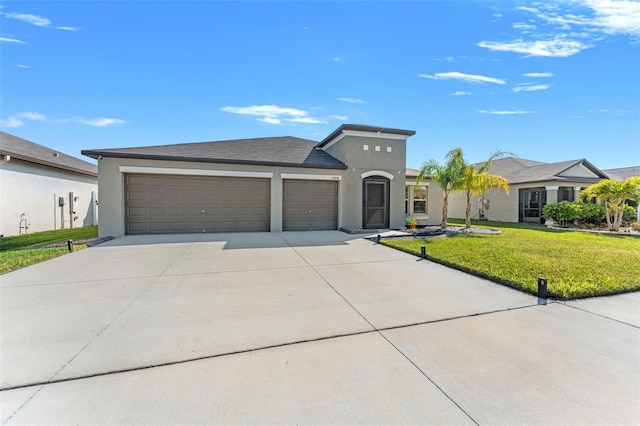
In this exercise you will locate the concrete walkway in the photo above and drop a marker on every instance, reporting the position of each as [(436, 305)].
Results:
[(301, 328)]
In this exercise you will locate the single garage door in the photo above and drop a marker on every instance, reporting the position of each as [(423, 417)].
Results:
[(309, 205), (160, 204)]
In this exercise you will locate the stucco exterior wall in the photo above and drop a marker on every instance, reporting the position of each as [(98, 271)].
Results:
[(112, 196), (31, 191), (382, 154), (503, 207)]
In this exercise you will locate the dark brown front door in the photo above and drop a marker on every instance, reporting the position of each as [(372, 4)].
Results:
[(375, 203)]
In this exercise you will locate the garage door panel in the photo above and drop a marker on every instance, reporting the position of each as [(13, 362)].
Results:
[(310, 205), (164, 204)]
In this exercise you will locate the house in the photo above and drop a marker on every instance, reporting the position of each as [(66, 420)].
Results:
[(623, 173), (533, 184), (42, 189), (352, 179)]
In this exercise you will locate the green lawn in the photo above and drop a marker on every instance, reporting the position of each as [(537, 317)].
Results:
[(576, 264), (19, 251)]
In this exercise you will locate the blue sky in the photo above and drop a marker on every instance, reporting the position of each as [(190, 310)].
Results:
[(548, 81)]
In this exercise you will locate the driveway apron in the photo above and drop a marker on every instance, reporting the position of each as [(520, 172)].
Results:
[(299, 327)]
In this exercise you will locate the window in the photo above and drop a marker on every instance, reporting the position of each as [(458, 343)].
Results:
[(565, 193), (406, 200), (415, 200), (420, 200)]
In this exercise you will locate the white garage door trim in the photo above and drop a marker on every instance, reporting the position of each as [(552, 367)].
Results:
[(193, 172), (303, 176)]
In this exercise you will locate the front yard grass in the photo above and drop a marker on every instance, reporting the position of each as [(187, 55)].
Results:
[(19, 251), (576, 264)]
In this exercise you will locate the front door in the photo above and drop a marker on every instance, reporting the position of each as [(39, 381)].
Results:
[(375, 203)]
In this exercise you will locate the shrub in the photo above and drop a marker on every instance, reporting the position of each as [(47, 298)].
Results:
[(591, 214), (563, 213)]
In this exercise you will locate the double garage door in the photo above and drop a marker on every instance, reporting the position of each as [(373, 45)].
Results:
[(161, 204)]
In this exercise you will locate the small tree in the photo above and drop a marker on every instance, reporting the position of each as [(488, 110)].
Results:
[(447, 176), (478, 179), (614, 195)]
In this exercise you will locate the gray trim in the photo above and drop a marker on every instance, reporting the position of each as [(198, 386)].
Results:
[(364, 128), (109, 154)]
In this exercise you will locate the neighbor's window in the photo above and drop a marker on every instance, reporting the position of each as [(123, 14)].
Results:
[(420, 200), (566, 193)]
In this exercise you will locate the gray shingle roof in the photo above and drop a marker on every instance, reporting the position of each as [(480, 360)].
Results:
[(283, 151), (623, 173), (32, 152), (518, 170)]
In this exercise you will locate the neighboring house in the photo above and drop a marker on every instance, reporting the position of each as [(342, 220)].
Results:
[(353, 179), (42, 189), (623, 173), (533, 184)]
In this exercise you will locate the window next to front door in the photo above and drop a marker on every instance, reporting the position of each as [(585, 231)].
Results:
[(415, 201)]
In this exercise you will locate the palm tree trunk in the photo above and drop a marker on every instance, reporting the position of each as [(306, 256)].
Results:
[(467, 213), (445, 203), (608, 216)]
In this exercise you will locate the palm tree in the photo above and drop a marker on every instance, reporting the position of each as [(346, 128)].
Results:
[(447, 176), (614, 195), (477, 180)]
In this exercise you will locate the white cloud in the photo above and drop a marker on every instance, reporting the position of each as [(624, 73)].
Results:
[(337, 59), (100, 121), (608, 16), (469, 78), (538, 74), (567, 28), (503, 112), (460, 93), (497, 15), (31, 116), (616, 17), (530, 88), (273, 114), (17, 120), (36, 20), (21, 66), (351, 100), (558, 47), (68, 28), (12, 40), (340, 117), (11, 122), (269, 120), (307, 120), (523, 26)]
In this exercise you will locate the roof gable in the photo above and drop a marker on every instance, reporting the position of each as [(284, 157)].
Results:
[(25, 150), (519, 170)]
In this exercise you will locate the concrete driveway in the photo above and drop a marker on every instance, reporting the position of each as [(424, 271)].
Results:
[(301, 328)]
